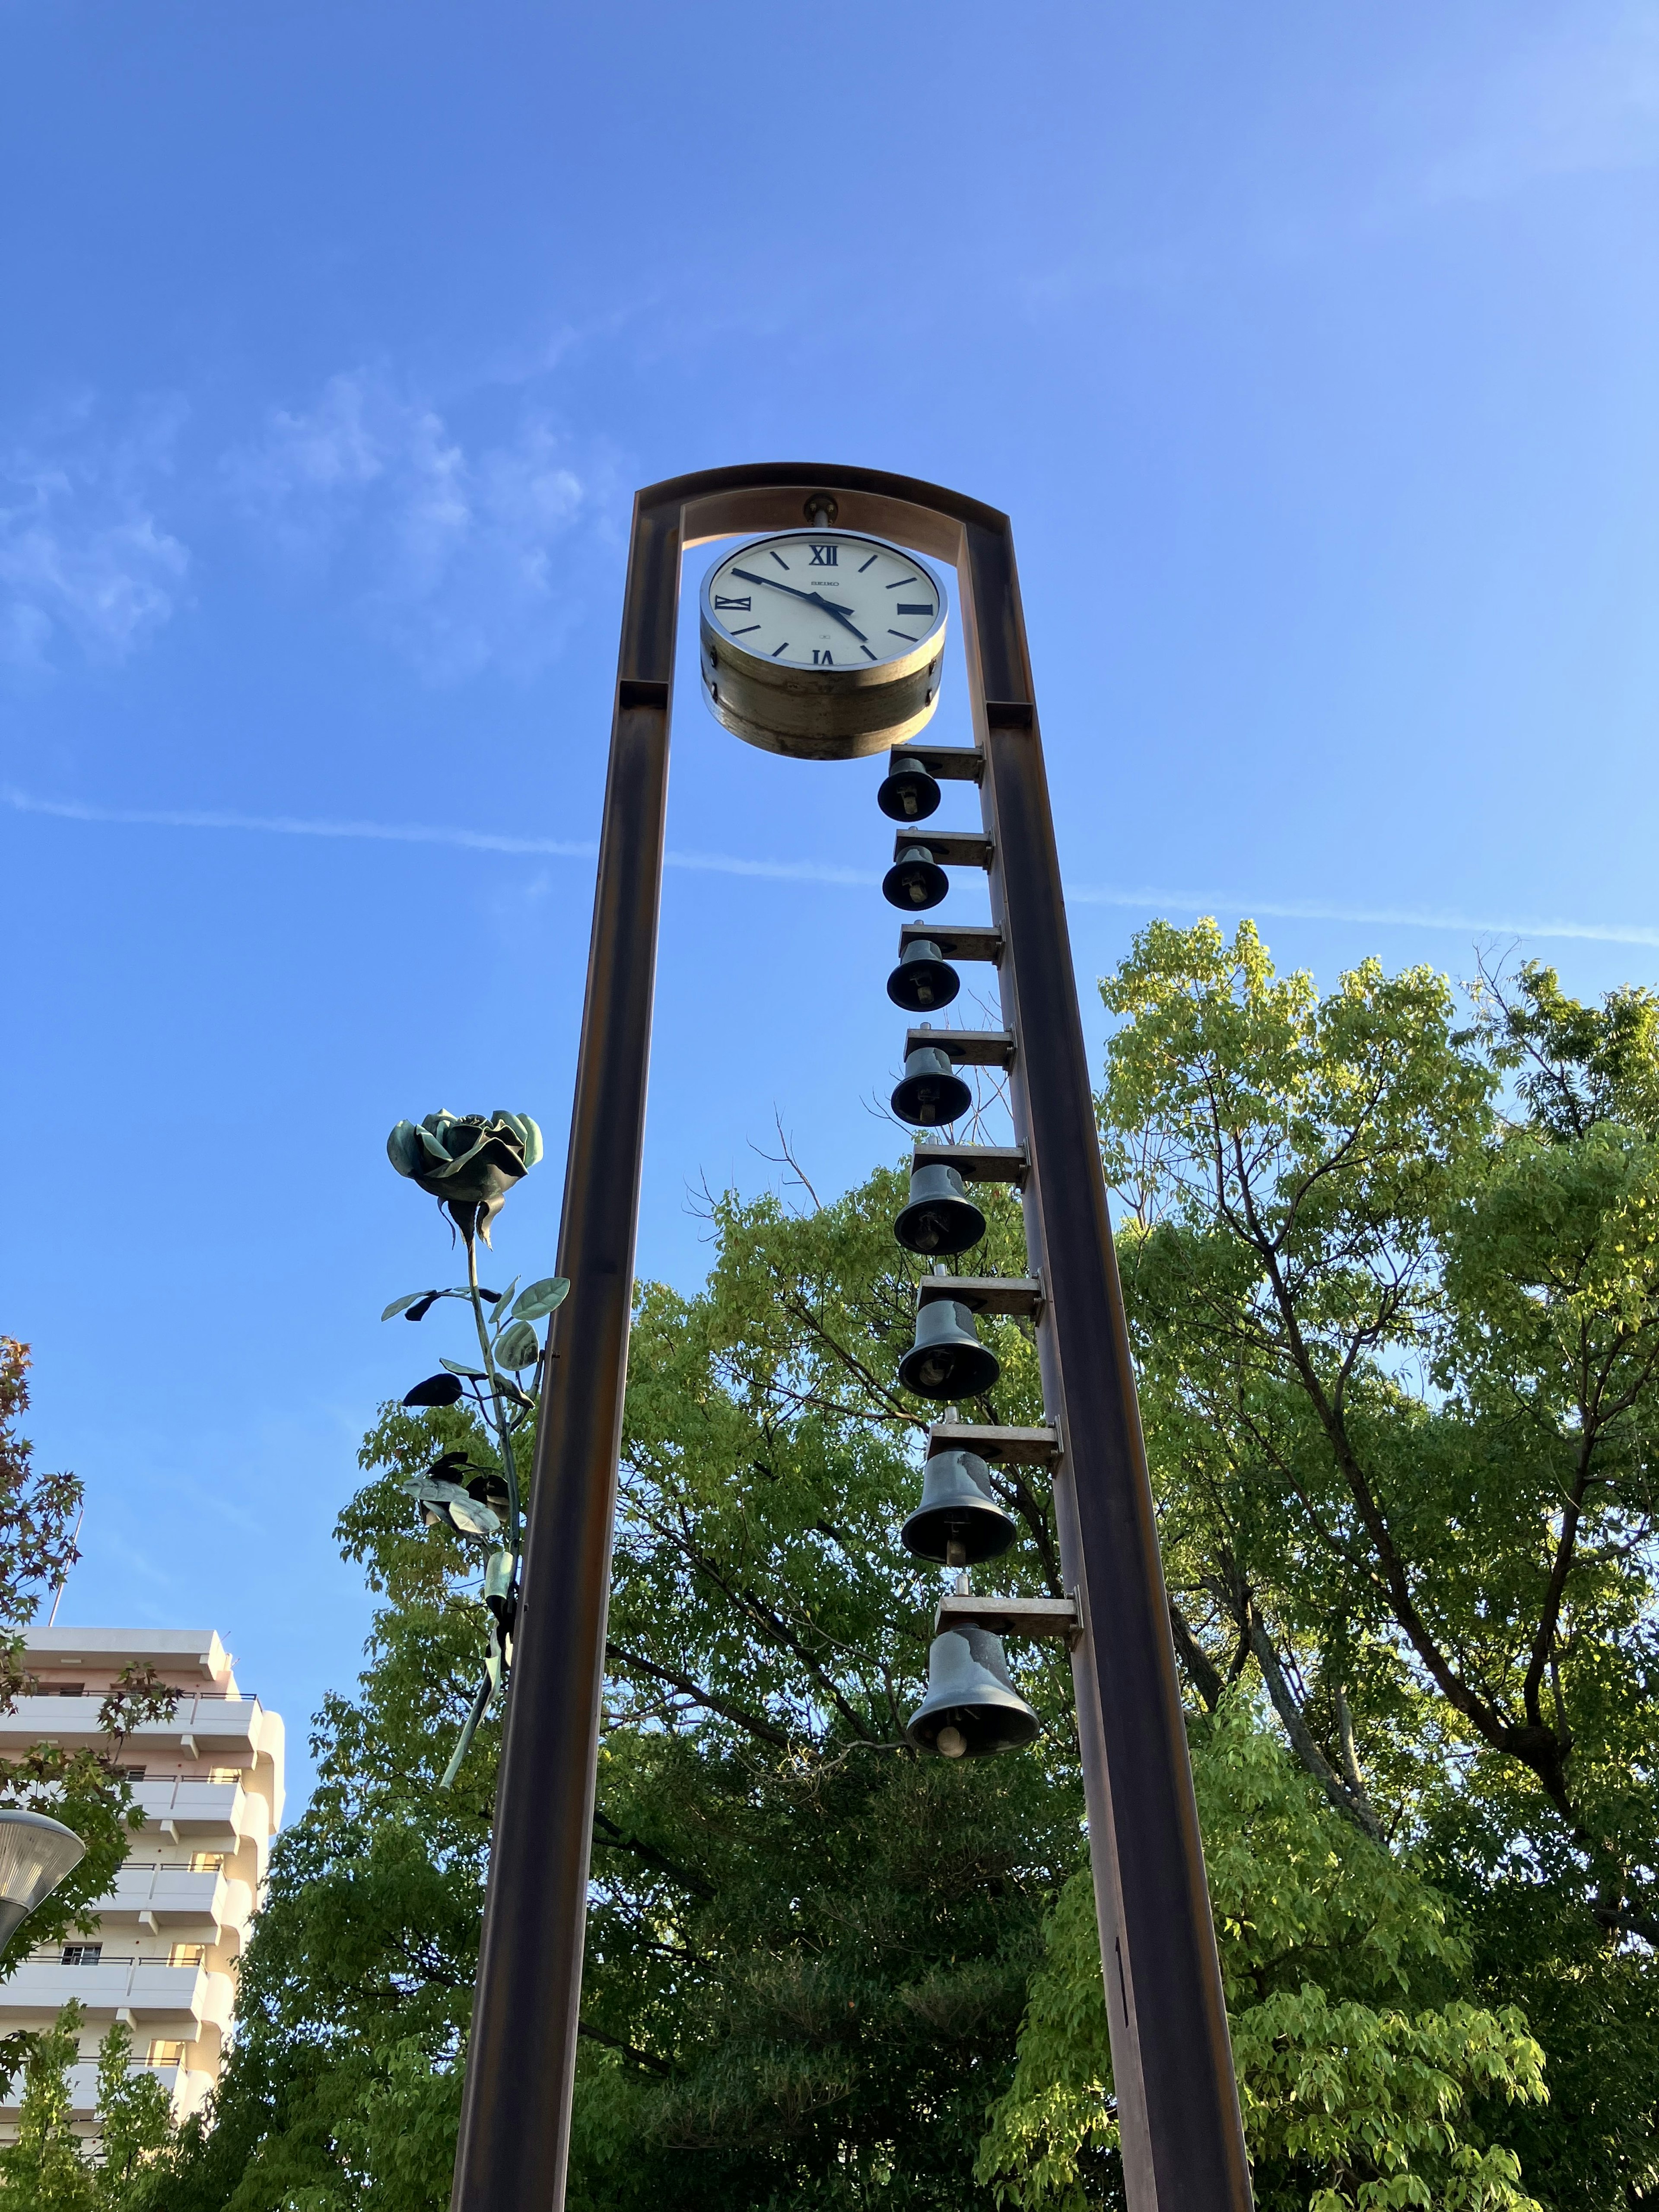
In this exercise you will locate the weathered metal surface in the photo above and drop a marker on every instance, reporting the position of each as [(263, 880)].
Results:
[(1009, 1616), (967, 1047), (1183, 2145), (960, 942), (990, 1294), (976, 1162)]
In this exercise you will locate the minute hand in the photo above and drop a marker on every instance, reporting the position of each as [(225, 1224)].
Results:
[(812, 600)]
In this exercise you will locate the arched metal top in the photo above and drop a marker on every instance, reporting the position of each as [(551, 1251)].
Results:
[(770, 496), (759, 496)]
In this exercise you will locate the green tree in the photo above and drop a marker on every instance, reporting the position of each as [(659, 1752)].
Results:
[(83, 1788), (1363, 2074), (1393, 1272), (49, 2168), (809, 1948)]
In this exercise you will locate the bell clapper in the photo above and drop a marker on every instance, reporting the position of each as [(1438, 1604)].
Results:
[(956, 1553), (951, 1741)]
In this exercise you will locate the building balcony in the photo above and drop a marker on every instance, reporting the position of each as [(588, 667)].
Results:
[(187, 2087), (203, 1726), (157, 1998), (168, 1896), (221, 1811)]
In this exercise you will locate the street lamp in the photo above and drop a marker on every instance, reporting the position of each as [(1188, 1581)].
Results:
[(36, 1854)]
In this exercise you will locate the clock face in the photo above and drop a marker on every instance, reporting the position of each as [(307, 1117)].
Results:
[(824, 599)]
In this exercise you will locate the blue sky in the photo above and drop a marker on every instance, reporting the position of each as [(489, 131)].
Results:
[(1313, 352)]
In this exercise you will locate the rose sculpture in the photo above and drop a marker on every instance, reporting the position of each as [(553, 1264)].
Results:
[(468, 1161)]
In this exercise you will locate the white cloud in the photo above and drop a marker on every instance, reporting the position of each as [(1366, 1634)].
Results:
[(82, 554), (1584, 98), (1145, 900), (454, 553)]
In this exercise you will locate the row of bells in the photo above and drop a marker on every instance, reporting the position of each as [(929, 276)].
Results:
[(932, 1091), (972, 1708)]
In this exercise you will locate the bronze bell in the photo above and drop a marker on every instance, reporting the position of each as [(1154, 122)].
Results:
[(947, 1359), (971, 1709), (914, 880), (923, 978), (958, 1521), (931, 1091), (909, 794), (940, 1217)]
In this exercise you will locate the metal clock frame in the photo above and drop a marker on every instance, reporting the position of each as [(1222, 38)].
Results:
[(1184, 2149), (845, 713)]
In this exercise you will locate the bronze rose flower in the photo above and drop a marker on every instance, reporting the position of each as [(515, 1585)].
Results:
[(468, 1161)]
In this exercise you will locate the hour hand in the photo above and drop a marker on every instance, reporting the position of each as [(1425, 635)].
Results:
[(840, 614)]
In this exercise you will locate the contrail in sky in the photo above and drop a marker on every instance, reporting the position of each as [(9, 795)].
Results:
[(1145, 901)]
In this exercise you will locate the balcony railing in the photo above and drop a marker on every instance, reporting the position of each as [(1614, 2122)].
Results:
[(197, 1808), (151, 1991), (215, 1724), (176, 1892), (186, 2085)]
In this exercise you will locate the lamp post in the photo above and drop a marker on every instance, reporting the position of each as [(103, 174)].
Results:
[(1183, 2147), (36, 1854)]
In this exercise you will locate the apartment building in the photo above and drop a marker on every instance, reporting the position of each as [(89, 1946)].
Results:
[(171, 1929)]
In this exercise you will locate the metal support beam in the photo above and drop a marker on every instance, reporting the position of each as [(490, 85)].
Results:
[(1183, 2146)]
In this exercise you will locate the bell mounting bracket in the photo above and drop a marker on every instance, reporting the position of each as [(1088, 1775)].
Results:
[(976, 1162), (1017, 1447), (990, 1294), (950, 848), (971, 943), (1010, 1616), (967, 1047)]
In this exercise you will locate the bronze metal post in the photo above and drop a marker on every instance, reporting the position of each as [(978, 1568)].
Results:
[(1183, 2144)]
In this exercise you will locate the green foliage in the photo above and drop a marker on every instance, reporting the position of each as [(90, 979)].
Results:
[(48, 2168), (1359, 2069), (1395, 1304), (80, 1788), (809, 1947), (44, 2169), (1393, 1287)]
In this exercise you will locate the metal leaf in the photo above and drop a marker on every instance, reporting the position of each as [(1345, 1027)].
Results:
[(436, 1390), (472, 1374), (541, 1298), (422, 1299), (428, 1490), (518, 1344), (473, 1517)]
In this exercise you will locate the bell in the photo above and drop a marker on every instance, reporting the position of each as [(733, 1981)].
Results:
[(971, 1709), (915, 879), (909, 794), (947, 1360), (932, 1091), (958, 1521), (940, 1217), (924, 979)]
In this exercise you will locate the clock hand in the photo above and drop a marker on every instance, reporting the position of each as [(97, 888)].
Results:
[(840, 614), (812, 600)]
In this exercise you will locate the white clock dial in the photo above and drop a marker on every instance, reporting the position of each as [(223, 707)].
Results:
[(824, 599)]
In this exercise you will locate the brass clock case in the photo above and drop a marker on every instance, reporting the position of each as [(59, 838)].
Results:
[(821, 714)]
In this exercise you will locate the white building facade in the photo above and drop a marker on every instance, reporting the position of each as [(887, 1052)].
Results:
[(171, 1929)]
